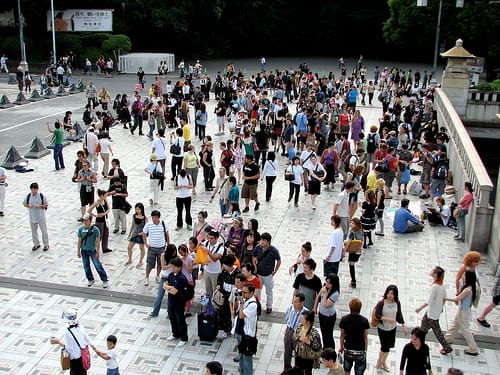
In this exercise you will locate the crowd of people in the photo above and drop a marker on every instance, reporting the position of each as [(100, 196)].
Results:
[(315, 126)]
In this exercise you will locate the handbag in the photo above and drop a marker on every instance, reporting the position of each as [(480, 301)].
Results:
[(405, 176), (354, 246), (126, 207), (305, 351), (248, 345), (456, 212), (65, 364), (255, 147), (175, 149), (218, 298), (98, 148), (374, 321), (289, 176), (201, 256), (85, 353)]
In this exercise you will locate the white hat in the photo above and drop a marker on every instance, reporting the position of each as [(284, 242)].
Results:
[(70, 316)]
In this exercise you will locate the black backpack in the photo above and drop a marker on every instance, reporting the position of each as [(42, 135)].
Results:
[(28, 198), (370, 144)]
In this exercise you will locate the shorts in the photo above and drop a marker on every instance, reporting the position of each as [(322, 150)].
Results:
[(437, 186), (425, 178), (356, 360), (137, 239), (86, 196), (249, 191), (387, 339), (353, 257), (389, 178), (153, 258)]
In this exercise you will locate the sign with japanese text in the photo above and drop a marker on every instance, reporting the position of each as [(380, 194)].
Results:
[(81, 20)]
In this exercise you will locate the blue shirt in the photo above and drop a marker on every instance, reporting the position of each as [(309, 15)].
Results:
[(301, 120), (401, 218)]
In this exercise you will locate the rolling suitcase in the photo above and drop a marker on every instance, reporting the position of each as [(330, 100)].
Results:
[(207, 326)]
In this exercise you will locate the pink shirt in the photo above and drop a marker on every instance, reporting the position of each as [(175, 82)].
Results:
[(466, 201)]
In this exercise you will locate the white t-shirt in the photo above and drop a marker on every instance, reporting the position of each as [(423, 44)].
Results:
[(305, 155), (179, 141), (250, 311), (183, 192), (297, 171), (91, 141), (71, 346), (105, 143), (158, 146), (445, 210), (337, 242), (214, 267), (156, 234), (435, 301), (112, 362), (343, 202)]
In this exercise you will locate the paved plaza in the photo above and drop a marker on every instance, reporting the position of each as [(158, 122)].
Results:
[(35, 287)]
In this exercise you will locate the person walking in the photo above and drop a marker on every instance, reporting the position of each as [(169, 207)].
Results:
[(207, 161), (267, 261), (354, 338), (251, 175), (191, 165), (176, 282), (58, 144), (435, 303), (183, 186), (88, 248), (308, 343), (269, 171), (156, 237), (105, 144), (292, 317), (388, 313), (296, 171), (156, 178), (333, 254), (246, 327), (324, 307), (416, 355), (495, 295), (317, 175), (37, 205), (341, 207)]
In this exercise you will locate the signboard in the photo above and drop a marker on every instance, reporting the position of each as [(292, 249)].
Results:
[(81, 20), (475, 65)]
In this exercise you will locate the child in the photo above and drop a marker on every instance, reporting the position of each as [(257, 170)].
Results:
[(110, 356)]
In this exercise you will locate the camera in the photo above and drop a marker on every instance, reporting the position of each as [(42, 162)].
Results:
[(238, 293)]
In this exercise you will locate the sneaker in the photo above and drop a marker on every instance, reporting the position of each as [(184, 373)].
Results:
[(484, 323), (91, 282), (257, 207), (181, 344), (189, 227), (171, 338), (105, 284), (246, 209), (313, 207), (151, 315), (236, 358), (115, 231), (107, 251), (296, 204), (471, 353), (146, 281), (224, 335), (123, 231), (157, 279), (379, 234), (36, 247)]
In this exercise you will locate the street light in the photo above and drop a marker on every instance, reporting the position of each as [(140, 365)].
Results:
[(24, 62), (423, 3)]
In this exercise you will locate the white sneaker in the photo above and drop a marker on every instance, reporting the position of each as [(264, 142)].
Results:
[(105, 284), (146, 281), (91, 282), (171, 338), (181, 344), (157, 279)]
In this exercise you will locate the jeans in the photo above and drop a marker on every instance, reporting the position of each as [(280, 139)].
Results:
[(326, 324), (159, 298), (268, 282), (359, 364), (224, 207), (88, 255), (58, 156), (137, 123), (246, 361), (269, 186), (208, 174), (151, 130), (114, 371), (181, 203), (461, 224), (201, 131), (330, 267), (178, 322)]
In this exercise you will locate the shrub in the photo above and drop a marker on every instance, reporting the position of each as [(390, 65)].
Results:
[(119, 43)]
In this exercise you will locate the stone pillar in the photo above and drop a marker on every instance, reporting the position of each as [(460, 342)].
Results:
[(456, 78)]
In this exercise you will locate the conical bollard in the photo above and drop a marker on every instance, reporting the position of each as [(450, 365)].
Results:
[(72, 89), (35, 96), (20, 99), (13, 159), (5, 102), (37, 150), (61, 91), (48, 93), (12, 79)]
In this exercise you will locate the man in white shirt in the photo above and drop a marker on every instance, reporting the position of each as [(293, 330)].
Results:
[(90, 142), (341, 207), (333, 254), (159, 148), (156, 237), (247, 314), (215, 250)]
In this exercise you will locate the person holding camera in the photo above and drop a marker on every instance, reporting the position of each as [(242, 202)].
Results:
[(246, 327)]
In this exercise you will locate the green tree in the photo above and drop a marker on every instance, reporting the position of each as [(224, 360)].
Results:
[(116, 44)]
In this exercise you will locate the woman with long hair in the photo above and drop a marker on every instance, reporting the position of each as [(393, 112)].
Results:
[(169, 254), (324, 306), (200, 225), (317, 174), (355, 233), (139, 219), (380, 196), (102, 208), (388, 313), (305, 253), (247, 248), (239, 156), (308, 343), (368, 217), (464, 206), (464, 299), (187, 271)]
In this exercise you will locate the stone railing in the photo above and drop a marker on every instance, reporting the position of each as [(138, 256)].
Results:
[(482, 107), (484, 96), (467, 166)]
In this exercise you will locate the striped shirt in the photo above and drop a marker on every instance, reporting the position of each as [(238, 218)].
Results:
[(156, 234), (293, 317)]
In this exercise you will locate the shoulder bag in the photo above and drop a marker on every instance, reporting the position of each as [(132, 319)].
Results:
[(289, 176), (85, 353)]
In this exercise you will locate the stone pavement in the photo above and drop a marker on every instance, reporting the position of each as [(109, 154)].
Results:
[(28, 317)]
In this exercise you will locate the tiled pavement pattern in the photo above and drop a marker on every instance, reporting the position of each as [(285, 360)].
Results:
[(29, 318)]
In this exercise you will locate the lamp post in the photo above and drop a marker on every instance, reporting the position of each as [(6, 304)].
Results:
[(54, 58), (23, 63), (423, 3)]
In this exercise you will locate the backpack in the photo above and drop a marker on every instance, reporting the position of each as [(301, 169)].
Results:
[(259, 307), (346, 159), (370, 144), (385, 164), (28, 198), (186, 293), (442, 170)]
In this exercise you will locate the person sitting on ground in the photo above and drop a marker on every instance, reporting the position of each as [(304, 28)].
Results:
[(440, 215), (404, 221)]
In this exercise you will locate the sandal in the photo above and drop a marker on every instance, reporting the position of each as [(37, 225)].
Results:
[(128, 262), (139, 265)]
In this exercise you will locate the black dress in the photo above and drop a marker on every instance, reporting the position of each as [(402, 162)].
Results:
[(368, 219), (225, 281)]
